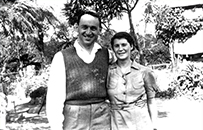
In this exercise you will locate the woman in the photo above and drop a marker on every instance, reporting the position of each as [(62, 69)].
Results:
[(131, 89)]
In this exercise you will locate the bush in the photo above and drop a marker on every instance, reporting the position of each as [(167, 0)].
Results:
[(189, 81), (26, 82), (157, 55), (166, 94)]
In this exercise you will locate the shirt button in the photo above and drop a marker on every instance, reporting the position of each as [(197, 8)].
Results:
[(124, 93)]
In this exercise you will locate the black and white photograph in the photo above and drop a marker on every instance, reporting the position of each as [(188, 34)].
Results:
[(101, 65)]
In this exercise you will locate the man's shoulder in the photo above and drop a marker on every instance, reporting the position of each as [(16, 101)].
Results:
[(69, 50)]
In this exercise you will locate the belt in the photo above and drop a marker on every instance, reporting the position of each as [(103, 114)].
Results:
[(130, 105), (83, 102)]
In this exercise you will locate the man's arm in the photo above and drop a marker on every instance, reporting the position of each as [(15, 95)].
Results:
[(112, 57), (56, 93)]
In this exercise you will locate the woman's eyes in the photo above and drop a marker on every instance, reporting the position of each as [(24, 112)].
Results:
[(122, 44)]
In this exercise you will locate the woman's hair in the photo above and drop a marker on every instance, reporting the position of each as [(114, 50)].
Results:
[(124, 35)]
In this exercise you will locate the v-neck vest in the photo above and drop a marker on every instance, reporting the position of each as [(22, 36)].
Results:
[(85, 82)]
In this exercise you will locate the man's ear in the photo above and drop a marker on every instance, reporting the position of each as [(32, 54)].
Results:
[(100, 29), (76, 27)]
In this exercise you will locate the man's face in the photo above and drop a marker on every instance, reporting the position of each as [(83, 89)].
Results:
[(88, 30)]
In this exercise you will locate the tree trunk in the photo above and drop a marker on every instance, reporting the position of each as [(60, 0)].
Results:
[(132, 32), (171, 47)]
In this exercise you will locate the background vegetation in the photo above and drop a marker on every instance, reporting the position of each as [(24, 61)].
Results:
[(25, 54), (30, 35)]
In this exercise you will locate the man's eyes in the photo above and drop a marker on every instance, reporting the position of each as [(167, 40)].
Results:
[(91, 28)]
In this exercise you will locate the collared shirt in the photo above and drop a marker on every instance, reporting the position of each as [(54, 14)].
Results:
[(83, 54), (129, 87), (57, 84)]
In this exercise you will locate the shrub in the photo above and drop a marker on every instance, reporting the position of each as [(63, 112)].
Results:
[(157, 55), (166, 94), (27, 81), (189, 81)]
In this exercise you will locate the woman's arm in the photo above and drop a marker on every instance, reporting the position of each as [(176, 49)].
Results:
[(151, 88), (152, 108)]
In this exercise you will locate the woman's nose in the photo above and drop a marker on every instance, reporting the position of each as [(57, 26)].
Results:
[(120, 48)]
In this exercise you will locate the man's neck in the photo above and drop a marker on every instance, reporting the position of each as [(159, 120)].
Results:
[(87, 48)]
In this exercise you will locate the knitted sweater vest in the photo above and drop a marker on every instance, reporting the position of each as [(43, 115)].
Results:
[(85, 83)]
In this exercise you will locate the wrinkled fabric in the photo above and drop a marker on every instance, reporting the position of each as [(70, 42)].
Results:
[(128, 95), (87, 117), (131, 118)]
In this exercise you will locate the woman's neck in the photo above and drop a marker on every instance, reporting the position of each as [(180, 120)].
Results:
[(124, 65)]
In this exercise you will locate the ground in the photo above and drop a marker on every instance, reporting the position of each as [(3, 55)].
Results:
[(182, 114), (179, 113), (174, 114)]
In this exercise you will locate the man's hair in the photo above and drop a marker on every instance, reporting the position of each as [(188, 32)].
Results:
[(94, 14), (124, 35)]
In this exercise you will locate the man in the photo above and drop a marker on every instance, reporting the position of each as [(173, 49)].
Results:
[(77, 86)]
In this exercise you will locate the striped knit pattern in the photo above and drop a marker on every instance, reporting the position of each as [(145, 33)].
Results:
[(85, 82)]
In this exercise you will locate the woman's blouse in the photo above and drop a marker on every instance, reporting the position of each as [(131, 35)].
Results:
[(134, 86)]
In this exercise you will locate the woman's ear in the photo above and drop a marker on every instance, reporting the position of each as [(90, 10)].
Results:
[(131, 48)]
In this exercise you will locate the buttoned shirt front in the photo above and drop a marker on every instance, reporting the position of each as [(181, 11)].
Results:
[(138, 83)]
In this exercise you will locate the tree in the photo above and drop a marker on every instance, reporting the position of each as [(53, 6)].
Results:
[(171, 25), (23, 24), (107, 10)]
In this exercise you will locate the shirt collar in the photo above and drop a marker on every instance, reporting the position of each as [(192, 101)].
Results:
[(134, 65), (95, 48)]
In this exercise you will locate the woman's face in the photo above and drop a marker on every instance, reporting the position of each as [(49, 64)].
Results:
[(122, 49)]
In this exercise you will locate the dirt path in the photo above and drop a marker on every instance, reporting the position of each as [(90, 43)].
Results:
[(174, 114), (182, 114), (26, 118)]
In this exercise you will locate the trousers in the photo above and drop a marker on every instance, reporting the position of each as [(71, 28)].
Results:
[(87, 117)]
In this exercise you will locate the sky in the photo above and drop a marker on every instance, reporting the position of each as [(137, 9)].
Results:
[(123, 24)]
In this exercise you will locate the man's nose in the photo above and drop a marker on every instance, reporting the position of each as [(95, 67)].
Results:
[(88, 31)]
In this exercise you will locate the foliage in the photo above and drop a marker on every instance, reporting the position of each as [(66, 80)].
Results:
[(166, 94), (158, 54), (154, 51), (27, 81), (63, 37), (172, 25), (105, 38), (22, 29), (22, 20), (189, 81), (106, 9)]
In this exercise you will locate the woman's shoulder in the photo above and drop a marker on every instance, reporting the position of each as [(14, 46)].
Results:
[(112, 66)]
